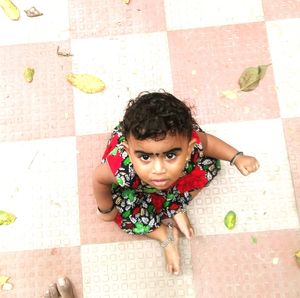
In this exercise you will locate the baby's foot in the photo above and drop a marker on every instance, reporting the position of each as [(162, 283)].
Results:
[(63, 288), (172, 254), (184, 225)]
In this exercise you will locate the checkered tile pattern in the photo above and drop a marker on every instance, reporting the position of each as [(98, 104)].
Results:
[(52, 137)]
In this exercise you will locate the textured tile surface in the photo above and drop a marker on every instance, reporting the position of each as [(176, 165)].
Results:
[(52, 137), (246, 265), (39, 186), (205, 62), (201, 13), (120, 62), (257, 200), (284, 49), (138, 269)]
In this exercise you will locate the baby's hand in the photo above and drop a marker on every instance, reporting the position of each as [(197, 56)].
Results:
[(246, 164)]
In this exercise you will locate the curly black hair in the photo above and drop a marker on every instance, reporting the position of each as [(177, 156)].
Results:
[(154, 115)]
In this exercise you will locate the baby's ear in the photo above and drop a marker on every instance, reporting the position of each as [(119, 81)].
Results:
[(125, 144), (191, 146)]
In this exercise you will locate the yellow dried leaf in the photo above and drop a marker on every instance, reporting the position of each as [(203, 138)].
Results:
[(251, 77), (230, 220), (6, 218), (28, 74), (3, 279), (126, 1), (230, 94), (297, 256), (86, 83), (10, 9)]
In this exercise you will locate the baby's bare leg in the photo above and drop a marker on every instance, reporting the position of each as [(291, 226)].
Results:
[(172, 254)]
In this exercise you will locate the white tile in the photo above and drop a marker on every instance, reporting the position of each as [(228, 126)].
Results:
[(133, 269), (39, 185), (201, 13), (265, 199), (128, 65), (285, 48), (52, 26)]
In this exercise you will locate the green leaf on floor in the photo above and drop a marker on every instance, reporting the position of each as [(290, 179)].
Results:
[(230, 220), (11, 10), (6, 218), (3, 279), (28, 74), (251, 77), (254, 239), (297, 256), (86, 83)]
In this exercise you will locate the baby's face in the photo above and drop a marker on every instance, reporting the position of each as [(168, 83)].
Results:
[(159, 163)]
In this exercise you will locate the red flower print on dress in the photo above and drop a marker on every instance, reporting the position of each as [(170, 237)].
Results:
[(194, 180), (157, 202)]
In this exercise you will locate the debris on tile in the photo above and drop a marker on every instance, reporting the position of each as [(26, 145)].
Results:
[(10, 9), (254, 239), (230, 94), (6, 218), (28, 74), (126, 1), (3, 279), (275, 261), (63, 52), (230, 220), (251, 77), (33, 12), (86, 83), (194, 72), (7, 286), (297, 256)]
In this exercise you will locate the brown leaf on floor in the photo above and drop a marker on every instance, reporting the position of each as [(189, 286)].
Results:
[(63, 52), (251, 77), (33, 12)]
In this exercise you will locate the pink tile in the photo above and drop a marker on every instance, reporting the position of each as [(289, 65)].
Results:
[(112, 17), (281, 9), (32, 271), (43, 108), (207, 61), (92, 229), (235, 266), (292, 135)]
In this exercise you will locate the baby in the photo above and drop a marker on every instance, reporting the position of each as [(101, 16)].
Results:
[(156, 161)]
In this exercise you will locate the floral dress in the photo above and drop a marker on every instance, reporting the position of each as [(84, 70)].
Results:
[(142, 207)]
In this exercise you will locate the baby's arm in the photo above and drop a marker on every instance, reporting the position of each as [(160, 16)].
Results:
[(214, 147), (102, 181)]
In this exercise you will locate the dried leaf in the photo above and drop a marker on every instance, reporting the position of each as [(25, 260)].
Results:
[(86, 83), (28, 74), (3, 279), (7, 286), (6, 218), (275, 261), (297, 256), (33, 12), (230, 220), (63, 52), (126, 1), (251, 77), (11, 10), (230, 94)]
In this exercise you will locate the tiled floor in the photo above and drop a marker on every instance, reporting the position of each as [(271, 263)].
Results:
[(52, 137)]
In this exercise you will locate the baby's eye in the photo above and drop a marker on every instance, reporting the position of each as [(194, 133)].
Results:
[(170, 155), (144, 157)]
